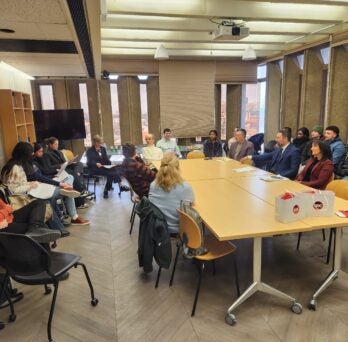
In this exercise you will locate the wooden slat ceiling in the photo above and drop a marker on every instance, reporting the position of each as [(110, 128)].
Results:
[(135, 28)]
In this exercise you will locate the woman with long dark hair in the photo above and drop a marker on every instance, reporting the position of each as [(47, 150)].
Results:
[(319, 168)]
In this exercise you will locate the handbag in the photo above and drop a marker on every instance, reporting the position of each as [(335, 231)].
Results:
[(19, 201)]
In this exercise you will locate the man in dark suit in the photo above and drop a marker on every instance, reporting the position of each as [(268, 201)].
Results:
[(285, 159)]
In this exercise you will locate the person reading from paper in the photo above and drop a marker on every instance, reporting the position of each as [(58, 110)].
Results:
[(284, 160), (241, 147), (169, 189), (318, 170), (167, 143), (150, 151), (97, 159), (212, 147)]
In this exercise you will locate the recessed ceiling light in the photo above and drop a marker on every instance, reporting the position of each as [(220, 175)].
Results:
[(6, 30)]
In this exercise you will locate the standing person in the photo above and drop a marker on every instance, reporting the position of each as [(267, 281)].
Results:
[(169, 189), (241, 147), (97, 159), (319, 168), (212, 147), (167, 143), (338, 150), (285, 159), (136, 172), (150, 151)]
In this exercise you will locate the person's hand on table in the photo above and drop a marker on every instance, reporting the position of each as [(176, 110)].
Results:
[(99, 165), (3, 224)]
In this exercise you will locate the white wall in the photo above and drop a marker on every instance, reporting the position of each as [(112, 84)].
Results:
[(15, 81)]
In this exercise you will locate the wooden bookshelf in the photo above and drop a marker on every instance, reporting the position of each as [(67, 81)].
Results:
[(16, 117)]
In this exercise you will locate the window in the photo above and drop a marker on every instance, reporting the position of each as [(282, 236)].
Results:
[(300, 61), (115, 114), (46, 96), (325, 55), (144, 110), (84, 106), (223, 110)]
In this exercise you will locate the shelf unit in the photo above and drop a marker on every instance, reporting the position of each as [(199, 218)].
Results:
[(16, 117)]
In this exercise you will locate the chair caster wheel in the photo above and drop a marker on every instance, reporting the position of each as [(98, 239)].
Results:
[(230, 319), (12, 318), (312, 305), (94, 302), (296, 308), (2, 325), (48, 290)]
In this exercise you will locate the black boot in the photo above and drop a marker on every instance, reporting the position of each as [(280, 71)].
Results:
[(106, 195)]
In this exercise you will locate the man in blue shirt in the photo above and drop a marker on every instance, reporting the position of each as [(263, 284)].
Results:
[(337, 147)]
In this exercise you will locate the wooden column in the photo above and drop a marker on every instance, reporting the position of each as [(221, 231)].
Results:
[(312, 96), (130, 111), (273, 100), (233, 108), (218, 108), (153, 106), (106, 112), (338, 91)]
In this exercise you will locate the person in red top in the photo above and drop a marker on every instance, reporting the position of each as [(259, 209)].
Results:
[(138, 174), (318, 170)]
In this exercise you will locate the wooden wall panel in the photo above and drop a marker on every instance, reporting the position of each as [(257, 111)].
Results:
[(291, 94), (218, 108), (107, 130), (233, 108), (236, 71), (153, 104), (187, 97), (338, 90), (130, 111), (311, 99), (273, 100)]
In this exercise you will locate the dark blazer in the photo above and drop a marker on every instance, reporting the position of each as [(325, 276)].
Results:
[(246, 150), (212, 149), (285, 164), (321, 173), (154, 236), (93, 157), (53, 160)]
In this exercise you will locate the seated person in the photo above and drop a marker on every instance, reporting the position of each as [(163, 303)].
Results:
[(151, 152), (14, 176), (212, 147), (338, 150), (136, 172), (169, 189), (233, 139), (301, 139), (96, 159), (316, 134), (285, 159), (28, 220), (319, 168), (241, 147), (167, 143)]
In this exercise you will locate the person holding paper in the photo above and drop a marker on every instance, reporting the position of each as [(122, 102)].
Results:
[(97, 158), (14, 175), (284, 160), (319, 169)]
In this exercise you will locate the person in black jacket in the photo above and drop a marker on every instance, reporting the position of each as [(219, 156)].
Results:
[(154, 236), (97, 159)]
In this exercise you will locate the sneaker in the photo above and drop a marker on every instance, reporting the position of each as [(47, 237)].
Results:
[(64, 233), (43, 235), (124, 188), (69, 193), (84, 193), (83, 206), (79, 222)]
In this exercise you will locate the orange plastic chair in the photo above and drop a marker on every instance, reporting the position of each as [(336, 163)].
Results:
[(195, 155)]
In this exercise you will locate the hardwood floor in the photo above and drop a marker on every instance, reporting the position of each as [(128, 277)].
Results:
[(131, 309)]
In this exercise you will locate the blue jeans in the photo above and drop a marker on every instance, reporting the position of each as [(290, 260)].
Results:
[(69, 202)]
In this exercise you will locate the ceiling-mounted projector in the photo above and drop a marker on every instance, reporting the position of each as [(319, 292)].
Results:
[(231, 32)]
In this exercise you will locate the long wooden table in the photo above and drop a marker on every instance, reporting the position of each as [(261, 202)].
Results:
[(240, 205)]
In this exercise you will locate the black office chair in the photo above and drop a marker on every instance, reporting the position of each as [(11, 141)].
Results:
[(27, 262)]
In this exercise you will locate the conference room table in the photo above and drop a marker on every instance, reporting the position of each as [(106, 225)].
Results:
[(236, 205)]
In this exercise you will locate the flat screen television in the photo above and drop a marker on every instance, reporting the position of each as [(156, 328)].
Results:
[(63, 124)]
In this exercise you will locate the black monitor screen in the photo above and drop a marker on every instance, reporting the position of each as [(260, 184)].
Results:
[(63, 124)]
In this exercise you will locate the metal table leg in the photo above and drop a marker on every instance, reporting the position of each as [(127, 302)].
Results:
[(335, 269), (258, 285)]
